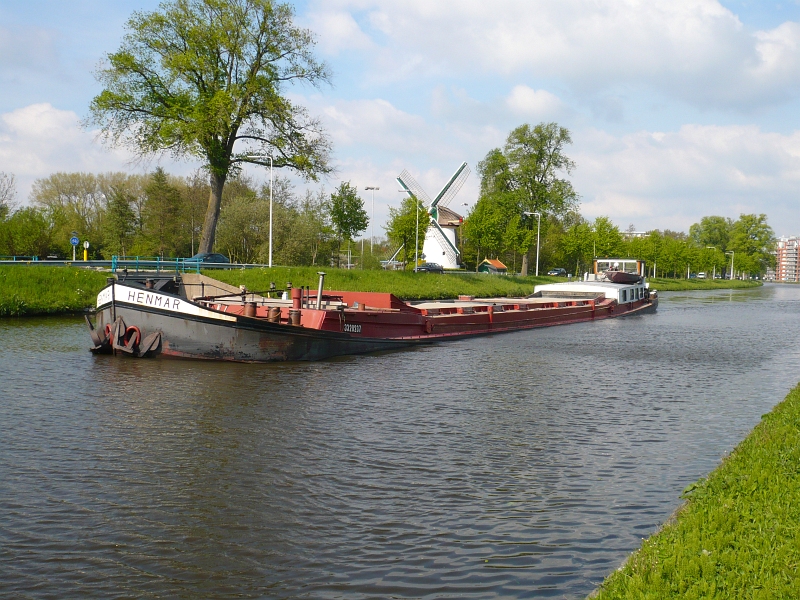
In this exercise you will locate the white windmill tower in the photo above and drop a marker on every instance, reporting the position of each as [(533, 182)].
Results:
[(440, 239)]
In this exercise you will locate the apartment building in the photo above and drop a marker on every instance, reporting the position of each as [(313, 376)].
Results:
[(786, 264)]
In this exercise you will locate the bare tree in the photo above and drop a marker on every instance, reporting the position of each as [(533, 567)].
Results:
[(8, 191)]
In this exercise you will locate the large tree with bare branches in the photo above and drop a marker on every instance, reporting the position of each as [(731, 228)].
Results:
[(207, 79)]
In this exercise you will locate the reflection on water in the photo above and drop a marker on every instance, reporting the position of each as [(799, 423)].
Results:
[(519, 465)]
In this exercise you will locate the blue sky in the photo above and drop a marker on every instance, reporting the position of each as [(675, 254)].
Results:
[(678, 109)]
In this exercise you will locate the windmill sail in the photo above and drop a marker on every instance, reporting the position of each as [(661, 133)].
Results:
[(453, 186), (439, 244), (412, 187)]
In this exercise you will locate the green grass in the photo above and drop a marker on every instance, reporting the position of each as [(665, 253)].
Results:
[(38, 290), (679, 285), (404, 284), (738, 534)]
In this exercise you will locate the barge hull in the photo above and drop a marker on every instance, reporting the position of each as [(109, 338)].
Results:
[(197, 337)]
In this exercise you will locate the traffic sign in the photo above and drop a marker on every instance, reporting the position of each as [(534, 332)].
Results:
[(86, 244), (74, 240)]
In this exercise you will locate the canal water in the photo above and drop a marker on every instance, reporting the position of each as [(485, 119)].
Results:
[(521, 465)]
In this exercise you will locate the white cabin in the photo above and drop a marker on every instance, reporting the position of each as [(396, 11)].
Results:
[(623, 293), (597, 282)]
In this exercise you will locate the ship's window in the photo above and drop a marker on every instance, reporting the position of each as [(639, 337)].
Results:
[(624, 295)]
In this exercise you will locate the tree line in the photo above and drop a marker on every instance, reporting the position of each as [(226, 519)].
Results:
[(162, 215)]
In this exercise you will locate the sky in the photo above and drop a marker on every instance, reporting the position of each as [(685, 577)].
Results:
[(678, 109)]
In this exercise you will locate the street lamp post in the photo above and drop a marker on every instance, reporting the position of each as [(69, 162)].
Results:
[(416, 233), (731, 253), (270, 211), (538, 228), (714, 273), (372, 219)]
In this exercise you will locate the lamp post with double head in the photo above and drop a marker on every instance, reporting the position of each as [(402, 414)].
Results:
[(270, 211), (731, 253), (714, 272), (538, 228), (416, 232)]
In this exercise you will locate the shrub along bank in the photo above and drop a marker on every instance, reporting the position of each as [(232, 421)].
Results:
[(680, 285), (737, 535), (35, 290)]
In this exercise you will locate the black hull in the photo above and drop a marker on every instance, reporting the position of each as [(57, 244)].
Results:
[(245, 340)]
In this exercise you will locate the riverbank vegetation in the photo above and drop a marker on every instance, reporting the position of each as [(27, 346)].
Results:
[(47, 290), (42, 289), (683, 285), (736, 536), (524, 197)]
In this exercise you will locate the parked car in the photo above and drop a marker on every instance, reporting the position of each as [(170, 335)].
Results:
[(429, 268), (557, 272), (205, 258)]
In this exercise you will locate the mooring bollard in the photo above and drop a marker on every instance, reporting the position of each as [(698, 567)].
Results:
[(294, 316)]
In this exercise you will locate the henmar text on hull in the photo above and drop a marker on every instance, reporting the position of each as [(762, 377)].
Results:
[(194, 316)]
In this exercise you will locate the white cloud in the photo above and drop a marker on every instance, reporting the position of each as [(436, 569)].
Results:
[(539, 104), (38, 140), (671, 179), (694, 50), (337, 31)]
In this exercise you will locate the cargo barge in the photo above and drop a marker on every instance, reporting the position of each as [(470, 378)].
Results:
[(194, 316)]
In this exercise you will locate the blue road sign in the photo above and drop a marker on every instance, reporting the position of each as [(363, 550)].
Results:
[(74, 241)]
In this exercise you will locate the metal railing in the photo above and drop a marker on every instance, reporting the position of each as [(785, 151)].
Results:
[(130, 263)]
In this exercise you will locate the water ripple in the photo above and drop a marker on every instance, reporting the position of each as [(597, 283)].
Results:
[(520, 465)]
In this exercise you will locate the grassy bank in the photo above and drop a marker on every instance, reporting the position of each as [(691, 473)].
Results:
[(38, 290), (738, 535), (679, 285), (404, 284)]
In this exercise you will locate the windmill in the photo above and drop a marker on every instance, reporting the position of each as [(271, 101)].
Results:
[(440, 238)]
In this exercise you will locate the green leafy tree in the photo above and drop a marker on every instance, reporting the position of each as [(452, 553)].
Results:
[(753, 242), (208, 79), (314, 228), (348, 216), (162, 215), (244, 221), (577, 246), (526, 175), (26, 232), (712, 231), (120, 224), (71, 202), (607, 238), (406, 225)]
